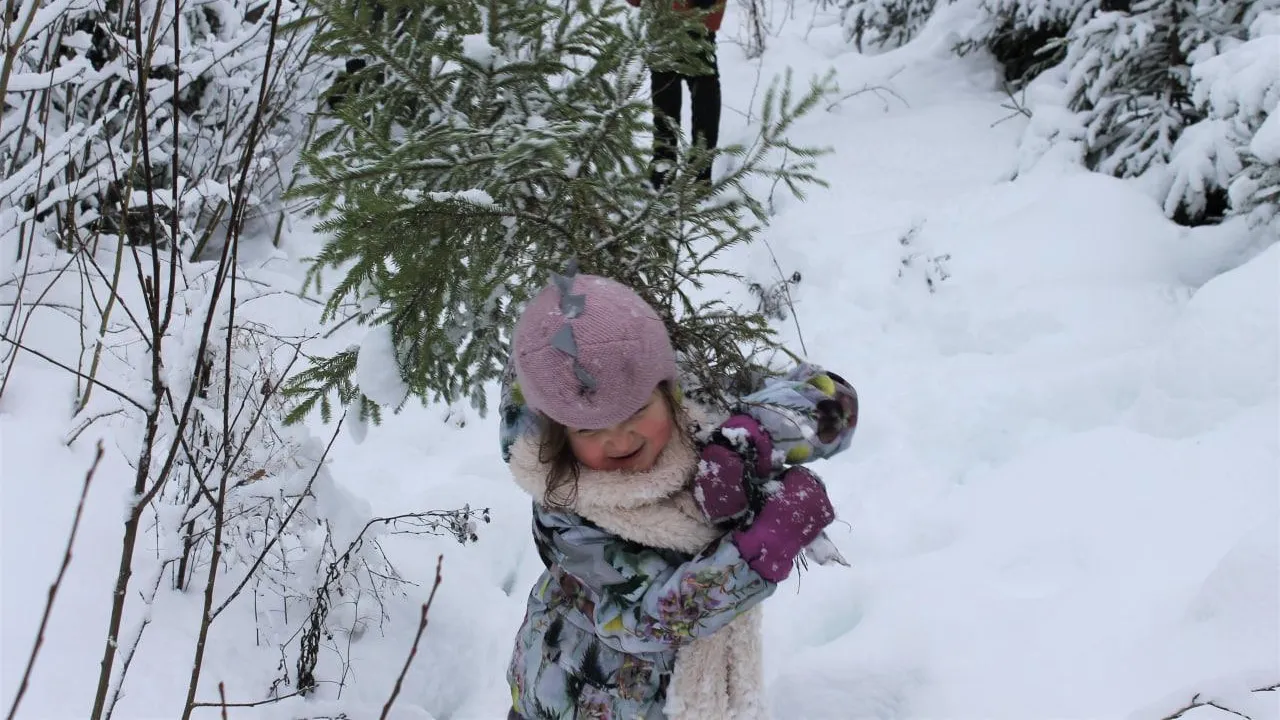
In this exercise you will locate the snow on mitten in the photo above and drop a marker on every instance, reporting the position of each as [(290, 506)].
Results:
[(791, 518), (739, 451)]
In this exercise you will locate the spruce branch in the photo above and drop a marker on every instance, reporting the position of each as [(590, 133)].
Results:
[(450, 189)]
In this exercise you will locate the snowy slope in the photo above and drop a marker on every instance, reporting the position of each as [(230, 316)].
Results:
[(1061, 501)]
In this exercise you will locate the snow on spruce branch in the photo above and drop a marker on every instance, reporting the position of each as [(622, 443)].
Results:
[(449, 190)]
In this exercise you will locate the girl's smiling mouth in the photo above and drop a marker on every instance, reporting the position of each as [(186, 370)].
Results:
[(629, 456)]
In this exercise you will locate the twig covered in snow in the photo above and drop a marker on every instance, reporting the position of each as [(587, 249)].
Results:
[(129, 648), (785, 283), (118, 393), (1199, 700), (57, 583), (24, 31), (223, 704), (413, 651), (160, 306), (17, 308), (266, 551), (875, 89)]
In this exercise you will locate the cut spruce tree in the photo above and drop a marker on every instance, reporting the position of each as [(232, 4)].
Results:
[(478, 147)]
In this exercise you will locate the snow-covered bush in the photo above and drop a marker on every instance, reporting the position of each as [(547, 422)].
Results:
[(227, 503), (235, 509), (1127, 73), (884, 24), (303, 551), (1236, 146), (1130, 75), (144, 144), (1026, 36), (1176, 93), (132, 118)]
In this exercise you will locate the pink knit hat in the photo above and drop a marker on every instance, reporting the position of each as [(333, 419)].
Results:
[(589, 351)]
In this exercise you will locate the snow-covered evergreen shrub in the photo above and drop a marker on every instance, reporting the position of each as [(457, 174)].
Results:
[(1131, 74), (884, 24), (1175, 92), (1128, 72), (1233, 154), (122, 119), (1025, 36)]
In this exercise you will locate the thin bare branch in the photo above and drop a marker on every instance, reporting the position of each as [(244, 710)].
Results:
[(22, 330), (413, 651), (223, 704), (57, 583), (130, 649), (786, 288), (1198, 701), (75, 372), (87, 423), (302, 496), (874, 89)]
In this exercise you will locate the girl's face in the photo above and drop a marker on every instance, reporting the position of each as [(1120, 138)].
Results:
[(632, 445)]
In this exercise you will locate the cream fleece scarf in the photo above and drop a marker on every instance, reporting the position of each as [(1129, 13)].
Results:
[(718, 676)]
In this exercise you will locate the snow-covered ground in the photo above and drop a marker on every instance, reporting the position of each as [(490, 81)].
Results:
[(1061, 501)]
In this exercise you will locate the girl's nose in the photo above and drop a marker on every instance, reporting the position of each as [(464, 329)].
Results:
[(621, 444)]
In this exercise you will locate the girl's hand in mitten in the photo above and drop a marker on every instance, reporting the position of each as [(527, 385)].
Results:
[(791, 519), (739, 450)]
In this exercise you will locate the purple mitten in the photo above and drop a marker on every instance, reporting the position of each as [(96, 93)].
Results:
[(744, 435), (790, 519), (719, 487), (738, 446)]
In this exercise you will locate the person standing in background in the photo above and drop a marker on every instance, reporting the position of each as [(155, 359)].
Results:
[(704, 93)]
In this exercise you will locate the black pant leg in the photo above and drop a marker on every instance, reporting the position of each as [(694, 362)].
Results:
[(704, 93), (667, 99)]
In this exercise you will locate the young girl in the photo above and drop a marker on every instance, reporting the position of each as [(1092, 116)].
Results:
[(658, 547)]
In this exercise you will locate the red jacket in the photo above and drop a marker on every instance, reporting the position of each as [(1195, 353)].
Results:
[(712, 21)]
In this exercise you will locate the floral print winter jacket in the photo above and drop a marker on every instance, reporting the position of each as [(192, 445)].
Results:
[(604, 620)]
